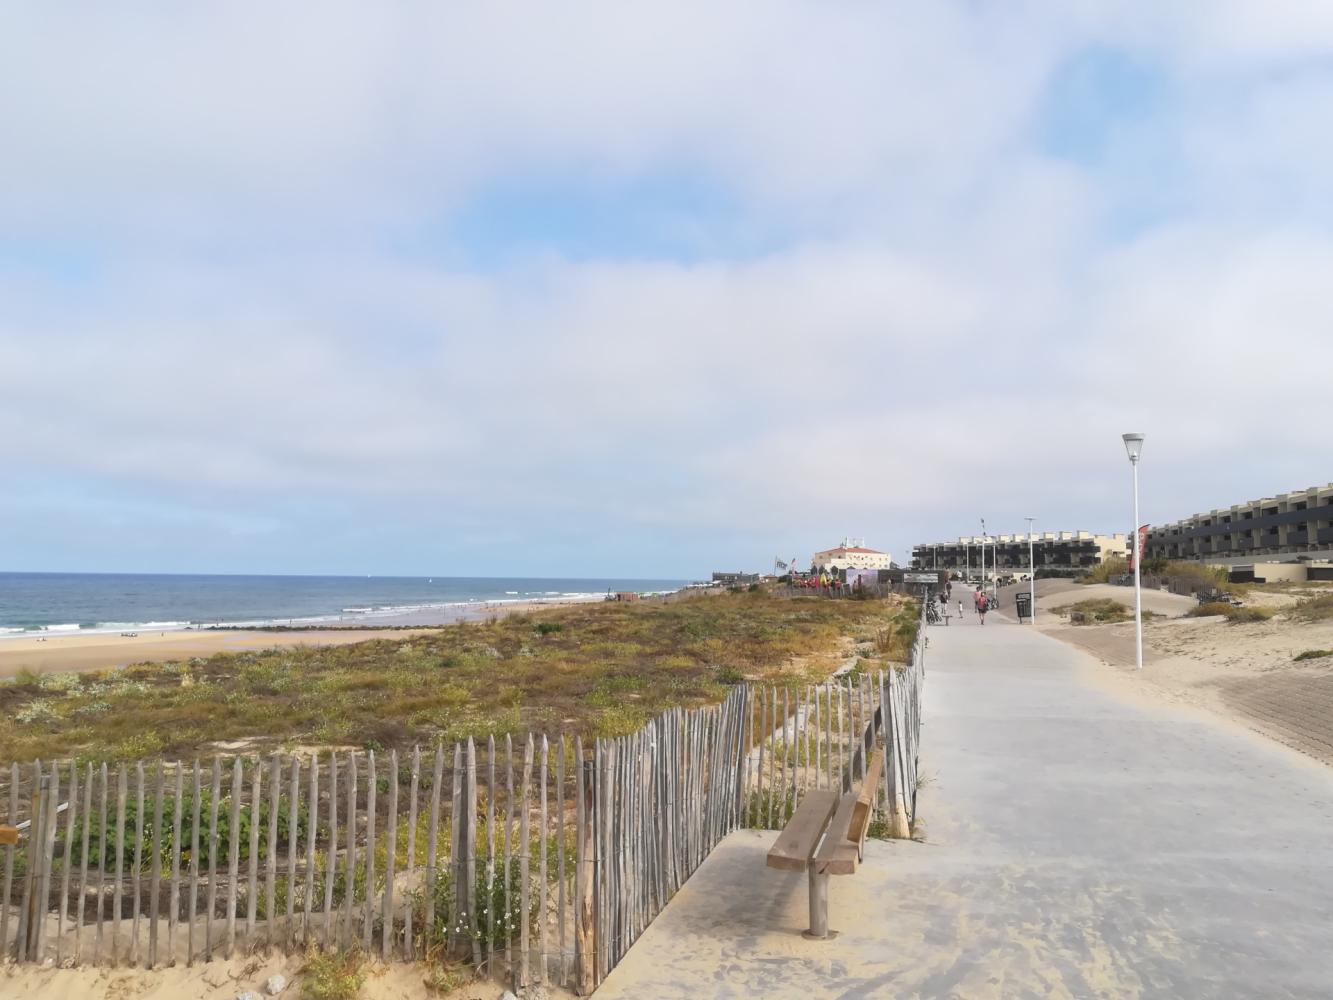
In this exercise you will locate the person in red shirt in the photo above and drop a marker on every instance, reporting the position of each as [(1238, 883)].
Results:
[(980, 599)]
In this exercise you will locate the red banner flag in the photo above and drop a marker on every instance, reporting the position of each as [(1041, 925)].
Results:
[(1139, 543)]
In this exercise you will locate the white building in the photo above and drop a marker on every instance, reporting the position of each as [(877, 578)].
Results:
[(851, 554)]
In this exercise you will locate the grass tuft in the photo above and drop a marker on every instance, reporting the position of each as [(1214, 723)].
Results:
[(1231, 613), (1312, 654), (333, 975)]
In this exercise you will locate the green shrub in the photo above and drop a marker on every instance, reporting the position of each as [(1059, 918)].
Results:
[(333, 975), (102, 840), (1312, 654), (499, 903), (547, 628)]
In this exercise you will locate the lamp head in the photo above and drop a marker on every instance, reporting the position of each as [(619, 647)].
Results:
[(1133, 446)]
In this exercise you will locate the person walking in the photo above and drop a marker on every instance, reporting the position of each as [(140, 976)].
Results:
[(980, 599)]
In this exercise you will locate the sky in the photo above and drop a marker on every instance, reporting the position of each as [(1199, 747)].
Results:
[(650, 289)]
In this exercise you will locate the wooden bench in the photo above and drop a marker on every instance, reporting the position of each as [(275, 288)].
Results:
[(826, 836)]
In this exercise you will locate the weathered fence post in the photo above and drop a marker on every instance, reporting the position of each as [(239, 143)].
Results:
[(586, 875)]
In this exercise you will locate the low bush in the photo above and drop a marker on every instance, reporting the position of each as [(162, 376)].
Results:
[(1100, 611), (333, 975), (1230, 612), (1312, 654)]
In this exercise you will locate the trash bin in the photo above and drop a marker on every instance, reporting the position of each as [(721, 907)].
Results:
[(1023, 604)]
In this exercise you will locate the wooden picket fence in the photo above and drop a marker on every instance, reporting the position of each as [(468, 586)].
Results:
[(541, 860)]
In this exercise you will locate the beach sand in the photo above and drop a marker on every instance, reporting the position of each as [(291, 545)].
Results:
[(224, 980), (1243, 672), (75, 652)]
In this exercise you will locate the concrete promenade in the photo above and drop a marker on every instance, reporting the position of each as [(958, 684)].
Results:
[(1077, 844)]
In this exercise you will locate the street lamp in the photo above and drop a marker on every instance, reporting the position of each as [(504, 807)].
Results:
[(983, 555), (1032, 577), (1134, 448)]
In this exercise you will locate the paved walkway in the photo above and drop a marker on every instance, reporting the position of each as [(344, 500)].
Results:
[(1077, 845)]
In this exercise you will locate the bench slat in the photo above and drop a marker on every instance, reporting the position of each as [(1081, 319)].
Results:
[(865, 799), (798, 839), (838, 855)]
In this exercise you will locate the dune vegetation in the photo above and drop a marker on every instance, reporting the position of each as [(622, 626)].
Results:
[(595, 669)]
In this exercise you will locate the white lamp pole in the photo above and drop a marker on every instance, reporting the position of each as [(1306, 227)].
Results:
[(984, 538), (1032, 578), (1134, 447)]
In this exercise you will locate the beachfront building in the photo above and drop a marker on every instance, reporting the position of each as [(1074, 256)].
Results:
[(1055, 552), (735, 579), (851, 554), (1292, 527)]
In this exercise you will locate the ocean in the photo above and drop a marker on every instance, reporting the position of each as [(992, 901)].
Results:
[(63, 603)]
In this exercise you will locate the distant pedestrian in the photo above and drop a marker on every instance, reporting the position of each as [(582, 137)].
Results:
[(980, 599), (960, 609)]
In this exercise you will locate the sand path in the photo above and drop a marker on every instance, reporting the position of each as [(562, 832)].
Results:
[(1081, 842)]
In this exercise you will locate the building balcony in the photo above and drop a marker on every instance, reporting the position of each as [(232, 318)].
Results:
[(1325, 535), (1298, 538)]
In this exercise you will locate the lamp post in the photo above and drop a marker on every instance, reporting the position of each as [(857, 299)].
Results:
[(1032, 578), (1134, 448), (984, 538)]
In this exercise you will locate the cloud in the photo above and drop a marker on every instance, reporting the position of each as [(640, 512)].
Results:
[(251, 294)]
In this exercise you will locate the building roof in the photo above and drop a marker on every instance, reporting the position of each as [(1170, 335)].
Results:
[(845, 550)]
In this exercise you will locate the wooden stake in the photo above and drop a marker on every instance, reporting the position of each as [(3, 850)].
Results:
[(368, 917), (432, 846), (252, 892), (310, 881), (541, 866), (213, 808), (331, 856), (233, 855), (348, 934), (469, 884), (524, 867), (560, 853), (174, 904), (408, 950), (391, 850), (585, 924), (9, 864), (194, 863), (73, 799), (293, 834)]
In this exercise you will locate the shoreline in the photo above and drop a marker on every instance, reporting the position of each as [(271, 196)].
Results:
[(64, 652), (405, 616)]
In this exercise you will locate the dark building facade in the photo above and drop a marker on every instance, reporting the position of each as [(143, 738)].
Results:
[(1275, 529)]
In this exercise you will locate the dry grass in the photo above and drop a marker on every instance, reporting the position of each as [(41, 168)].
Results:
[(1314, 609), (1099, 612), (1231, 613), (606, 670)]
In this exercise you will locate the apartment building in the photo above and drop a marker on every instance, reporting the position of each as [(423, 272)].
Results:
[(1066, 551), (1286, 528), (851, 554)]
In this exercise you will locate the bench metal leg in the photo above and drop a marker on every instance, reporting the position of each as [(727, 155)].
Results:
[(818, 907)]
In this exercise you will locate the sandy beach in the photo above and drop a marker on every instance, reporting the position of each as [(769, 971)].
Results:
[(99, 651), (1245, 672)]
